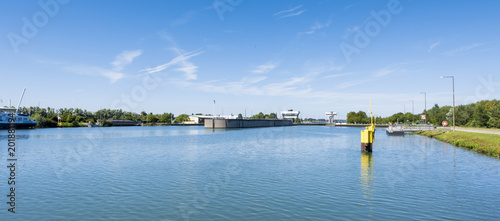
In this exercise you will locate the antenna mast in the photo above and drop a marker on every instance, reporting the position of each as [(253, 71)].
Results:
[(22, 95)]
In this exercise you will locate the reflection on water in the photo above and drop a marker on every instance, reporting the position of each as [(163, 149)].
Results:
[(18, 137), (367, 182)]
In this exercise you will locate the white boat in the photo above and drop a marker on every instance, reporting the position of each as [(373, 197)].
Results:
[(18, 120)]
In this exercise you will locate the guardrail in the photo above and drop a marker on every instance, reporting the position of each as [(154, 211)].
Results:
[(407, 128)]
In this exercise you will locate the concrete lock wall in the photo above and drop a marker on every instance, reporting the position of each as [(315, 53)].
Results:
[(240, 123)]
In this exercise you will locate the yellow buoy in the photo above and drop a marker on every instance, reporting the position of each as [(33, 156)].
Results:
[(368, 135)]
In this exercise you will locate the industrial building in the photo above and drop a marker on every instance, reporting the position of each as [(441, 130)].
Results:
[(290, 114)]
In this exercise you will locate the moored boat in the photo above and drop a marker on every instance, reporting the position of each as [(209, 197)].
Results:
[(11, 118)]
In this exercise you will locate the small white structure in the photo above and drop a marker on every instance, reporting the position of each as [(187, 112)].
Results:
[(290, 114), (200, 119), (331, 116)]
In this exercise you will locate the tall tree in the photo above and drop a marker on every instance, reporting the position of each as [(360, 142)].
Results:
[(494, 117), (480, 117), (181, 118)]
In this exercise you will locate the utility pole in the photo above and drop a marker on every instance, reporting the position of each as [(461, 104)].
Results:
[(453, 82), (412, 112), (404, 114), (425, 103)]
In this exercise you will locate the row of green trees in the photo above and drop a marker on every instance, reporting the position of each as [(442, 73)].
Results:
[(74, 117), (263, 116), (480, 114)]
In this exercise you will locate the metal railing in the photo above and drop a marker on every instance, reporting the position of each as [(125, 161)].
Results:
[(410, 128)]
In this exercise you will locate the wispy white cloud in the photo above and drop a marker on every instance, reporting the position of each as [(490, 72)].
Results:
[(349, 84), (339, 75), (293, 87), (290, 12), (253, 80), (112, 75), (258, 85), (315, 27), (125, 58), (186, 17), (433, 45), (265, 68), (347, 7), (182, 63), (314, 68), (377, 74), (463, 49), (383, 72), (349, 31), (293, 14)]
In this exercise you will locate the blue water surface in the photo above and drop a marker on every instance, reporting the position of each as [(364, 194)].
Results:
[(279, 173)]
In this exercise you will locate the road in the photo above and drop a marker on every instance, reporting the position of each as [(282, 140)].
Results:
[(478, 131)]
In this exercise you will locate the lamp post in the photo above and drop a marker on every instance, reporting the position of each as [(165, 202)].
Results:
[(404, 114), (413, 111), (425, 103), (453, 83)]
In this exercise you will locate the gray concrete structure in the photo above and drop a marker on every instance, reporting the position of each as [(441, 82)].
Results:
[(241, 123)]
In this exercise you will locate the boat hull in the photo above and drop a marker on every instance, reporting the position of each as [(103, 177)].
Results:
[(395, 132), (18, 125)]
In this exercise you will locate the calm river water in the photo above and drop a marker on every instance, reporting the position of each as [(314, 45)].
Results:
[(281, 173)]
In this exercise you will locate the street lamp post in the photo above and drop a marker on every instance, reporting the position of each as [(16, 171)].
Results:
[(425, 103), (412, 111), (404, 114), (453, 83)]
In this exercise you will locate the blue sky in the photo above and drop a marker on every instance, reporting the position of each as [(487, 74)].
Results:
[(312, 56)]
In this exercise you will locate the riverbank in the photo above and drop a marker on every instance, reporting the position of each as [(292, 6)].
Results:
[(488, 144)]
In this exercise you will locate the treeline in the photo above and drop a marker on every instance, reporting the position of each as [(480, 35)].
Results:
[(75, 117), (262, 116), (480, 114)]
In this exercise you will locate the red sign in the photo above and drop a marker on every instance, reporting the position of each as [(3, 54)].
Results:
[(445, 123)]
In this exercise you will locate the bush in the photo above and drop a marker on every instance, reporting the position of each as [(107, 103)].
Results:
[(42, 122), (79, 119), (106, 123)]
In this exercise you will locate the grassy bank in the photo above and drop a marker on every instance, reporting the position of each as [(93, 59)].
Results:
[(483, 143)]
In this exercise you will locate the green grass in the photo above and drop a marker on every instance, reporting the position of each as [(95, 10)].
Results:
[(482, 143)]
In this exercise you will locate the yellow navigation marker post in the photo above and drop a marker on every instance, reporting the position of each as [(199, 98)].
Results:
[(368, 135)]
